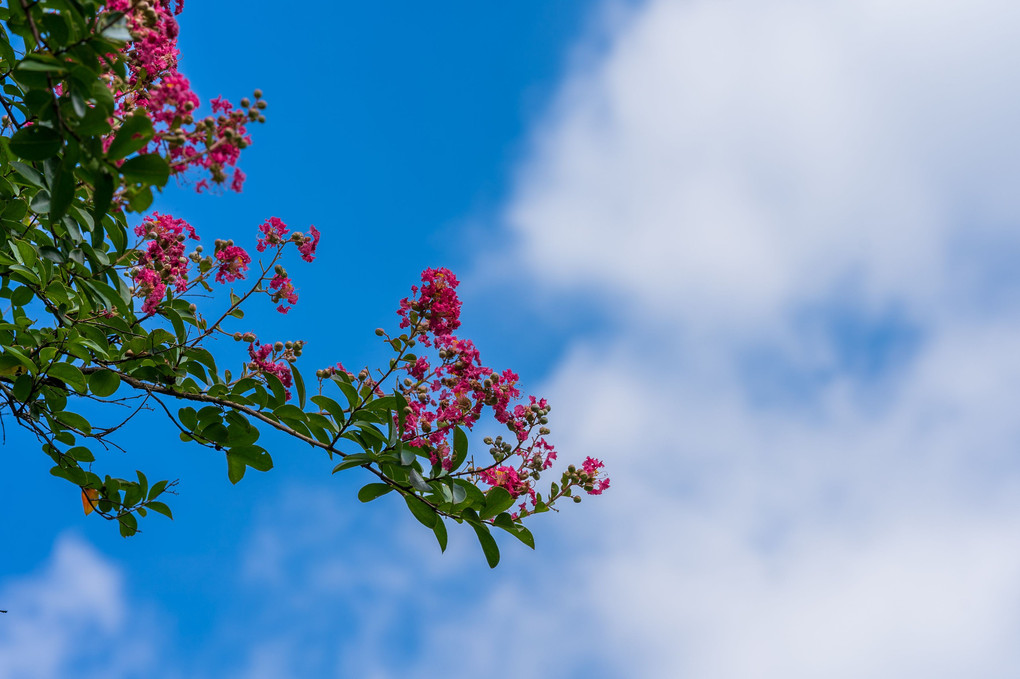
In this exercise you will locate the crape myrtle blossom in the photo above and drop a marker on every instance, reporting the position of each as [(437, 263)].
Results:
[(161, 261), (233, 262), (272, 359), (453, 389), (154, 87)]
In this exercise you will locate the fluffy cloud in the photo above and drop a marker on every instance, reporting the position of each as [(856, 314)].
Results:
[(803, 216), (70, 619)]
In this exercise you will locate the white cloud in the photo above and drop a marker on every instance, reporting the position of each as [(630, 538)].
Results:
[(70, 619), (727, 158), (722, 172)]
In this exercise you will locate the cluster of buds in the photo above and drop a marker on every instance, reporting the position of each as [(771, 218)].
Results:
[(338, 369), (588, 478)]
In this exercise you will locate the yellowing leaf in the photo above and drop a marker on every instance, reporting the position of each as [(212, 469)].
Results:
[(89, 496)]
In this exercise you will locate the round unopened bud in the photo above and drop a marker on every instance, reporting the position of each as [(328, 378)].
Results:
[(258, 94), (192, 308), (278, 346), (262, 104), (246, 102), (261, 119), (577, 498), (544, 431), (238, 337), (289, 345)]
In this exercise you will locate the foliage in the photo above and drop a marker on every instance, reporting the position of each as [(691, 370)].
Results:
[(97, 118)]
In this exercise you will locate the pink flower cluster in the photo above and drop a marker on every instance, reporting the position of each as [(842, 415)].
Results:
[(262, 363), (233, 262), (436, 305), (162, 261), (591, 467), (282, 288), (454, 389), (275, 234), (155, 86)]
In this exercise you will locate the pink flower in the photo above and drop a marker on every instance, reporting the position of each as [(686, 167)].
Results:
[(591, 467), (283, 288), (274, 232), (151, 287), (238, 181), (436, 303), (233, 263), (307, 247), (504, 477), (261, 363)]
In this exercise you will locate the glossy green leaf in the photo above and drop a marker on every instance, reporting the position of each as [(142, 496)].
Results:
[(373, 490), (489, 547), (36, 142), (149, 168), (496, 500), (353, 460), (104, 383), (460, 448), (421, 511), (440, 530), (133, 134), (69, 374)]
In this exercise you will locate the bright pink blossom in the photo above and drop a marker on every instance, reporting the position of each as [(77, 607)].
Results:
[(233, 264), (261, 363), (283, 288), (274, 232), (307, 247)]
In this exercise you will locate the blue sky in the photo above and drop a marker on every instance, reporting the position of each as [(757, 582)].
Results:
[(758, 254)]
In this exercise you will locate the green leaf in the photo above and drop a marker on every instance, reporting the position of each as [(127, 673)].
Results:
[(157, 489), (188, 417), (299, 385), (417, 481), (69, 374), (61, 193), (373, 490), (496, 500), (74, 420), (160, 508), (440, 531), (29, 174), (460, 448), (102, 197), (104, 383), (331, 407), (517, 530), (255, 457), (355, 460), (421, 511), (128, 525), (132, 135), (146, 169), (36, 142), (235, 468), (488, 543)]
